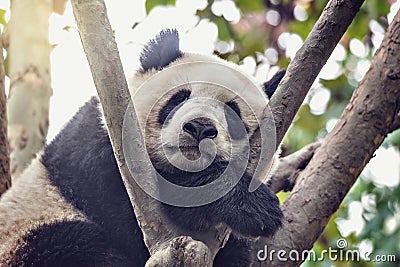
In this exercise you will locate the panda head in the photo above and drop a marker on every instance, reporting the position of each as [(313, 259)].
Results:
[(195, 110)]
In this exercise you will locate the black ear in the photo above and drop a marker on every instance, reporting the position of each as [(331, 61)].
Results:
[(161, 51), (271, 85)]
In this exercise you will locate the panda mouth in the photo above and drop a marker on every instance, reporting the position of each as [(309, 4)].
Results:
[(182, 148), (192, 152), (188, 147)]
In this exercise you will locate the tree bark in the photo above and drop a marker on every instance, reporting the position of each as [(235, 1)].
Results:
[(5, 178), (288, 169), (29, 72), (324, 183), (309, 60)]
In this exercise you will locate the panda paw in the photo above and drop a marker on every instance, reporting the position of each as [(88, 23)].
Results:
[(254, 213), (255, 225)]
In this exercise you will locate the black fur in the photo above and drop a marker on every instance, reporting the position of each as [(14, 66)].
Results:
[(235, 107), (248, 214), (236, 127), (236, 253), (172, 103), (81, 163), (271, 85), (66, 244), (161, 51)]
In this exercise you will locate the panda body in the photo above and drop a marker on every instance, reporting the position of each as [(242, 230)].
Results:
[(70, 207)]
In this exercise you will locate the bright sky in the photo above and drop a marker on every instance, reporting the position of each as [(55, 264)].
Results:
[(71, 78)]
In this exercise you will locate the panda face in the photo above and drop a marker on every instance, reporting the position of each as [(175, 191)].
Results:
[(195, 110), (195, 124), (201, 113)]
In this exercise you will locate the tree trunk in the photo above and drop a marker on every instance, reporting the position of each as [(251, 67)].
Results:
[(5, 178), (29, 72)]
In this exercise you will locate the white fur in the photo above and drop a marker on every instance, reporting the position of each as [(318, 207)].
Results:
[(40, 202), (212, 82), (243, 85)]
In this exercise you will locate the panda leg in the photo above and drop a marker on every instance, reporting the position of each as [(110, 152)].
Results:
[(235, 253), (65, 243)]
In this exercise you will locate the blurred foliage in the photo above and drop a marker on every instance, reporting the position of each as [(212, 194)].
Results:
[(250, 6), (3, 23), (251, 36), (2, 17), (150, 4)]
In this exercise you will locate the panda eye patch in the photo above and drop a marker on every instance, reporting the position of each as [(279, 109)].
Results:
[(176, 99), (235, 107), (235, 127)]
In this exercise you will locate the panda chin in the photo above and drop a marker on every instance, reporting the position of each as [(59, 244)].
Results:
[(190, 152), (190, 158)]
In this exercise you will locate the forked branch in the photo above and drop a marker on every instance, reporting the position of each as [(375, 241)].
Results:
[(336, 165)]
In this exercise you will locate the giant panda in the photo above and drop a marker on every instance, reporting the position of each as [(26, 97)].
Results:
[(70, 206)]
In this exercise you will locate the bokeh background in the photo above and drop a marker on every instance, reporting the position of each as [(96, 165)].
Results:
[(262, 36)]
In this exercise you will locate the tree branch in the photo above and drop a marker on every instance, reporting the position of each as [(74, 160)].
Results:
[(309, 60), (162, 238), (285, 175), (347, 149), (5, 177)]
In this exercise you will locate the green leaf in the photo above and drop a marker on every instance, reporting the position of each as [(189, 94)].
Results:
[(394, 138), (223, 29), (371, 10), (150, 4), (377, 8), (7, 64), (250, 6), (2, 15), (233, 58)]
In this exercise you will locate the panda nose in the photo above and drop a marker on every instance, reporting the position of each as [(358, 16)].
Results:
[(200, 130)]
